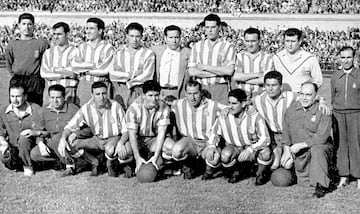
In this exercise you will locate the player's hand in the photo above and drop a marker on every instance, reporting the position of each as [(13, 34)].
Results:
[(139, 162), (286, 158), (244, 155), (324, 108), (295, 148), (72, 137), (3, 148), (44, 150), (152, 160), (28, 133), (121, 151), (62, 146)]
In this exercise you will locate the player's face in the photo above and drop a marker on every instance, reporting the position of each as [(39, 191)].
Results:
[(273, 87), (172, 39), (56, 99), (252, 43), (134, 38), (92, 31), (152, 99), (236, 106), (26, 27), (17, 97), (100, 96), (212, 30), (60, 37), (292, 44), (307, 95), (346, 59), (193, 95)]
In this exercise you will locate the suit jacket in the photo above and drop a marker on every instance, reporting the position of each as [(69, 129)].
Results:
[(183, 71)]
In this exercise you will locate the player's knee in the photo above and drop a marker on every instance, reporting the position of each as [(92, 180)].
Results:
[(177, 151), (34, 154), (265, 154), (110, 151)]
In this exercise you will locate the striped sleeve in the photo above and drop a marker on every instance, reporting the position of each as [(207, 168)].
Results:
[(147, 72), (118, 73), (215, 134), (131, 116), (262, 134), (103, 64), (194, 55), (77, 121), (46, 71), (230, 55), (164, 118)]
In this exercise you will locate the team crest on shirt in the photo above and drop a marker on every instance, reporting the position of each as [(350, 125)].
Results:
[(354, 85), (313, 118)]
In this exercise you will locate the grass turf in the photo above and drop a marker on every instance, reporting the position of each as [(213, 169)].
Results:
[(47, 193)]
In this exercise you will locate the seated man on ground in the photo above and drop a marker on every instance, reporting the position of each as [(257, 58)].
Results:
[(246, 140), (106, 120)]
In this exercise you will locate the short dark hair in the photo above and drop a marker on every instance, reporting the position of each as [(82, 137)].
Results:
[(17, 84), (347, 48), (26, 16), (171, 28), (252, 30), (316, 87), (274, 75), (134, 26), (193, 83), (57, 87), (151, 85), (99, 22), (213, 17), (239, 94), (99, 84), (294, 32), (64, 25)]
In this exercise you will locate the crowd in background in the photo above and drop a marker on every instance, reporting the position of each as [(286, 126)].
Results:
[(186, 6), (324, 44)]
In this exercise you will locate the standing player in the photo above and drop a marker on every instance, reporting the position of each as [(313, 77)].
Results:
[(172, 63), (23, 59), (252, 64), (345, 96), (297, 66), (246, 138), (132, 66), (18, 124), (212, 60), (147, 120), (106, 120), (93, 60), (56, 64), (195, 116)]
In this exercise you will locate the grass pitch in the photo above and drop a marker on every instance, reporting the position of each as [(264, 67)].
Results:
[(47, 193)]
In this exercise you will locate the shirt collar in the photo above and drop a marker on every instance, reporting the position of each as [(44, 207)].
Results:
[(354, 73), (64, 108), (28, 109), (107, 104), (313, 108), (168, 50)]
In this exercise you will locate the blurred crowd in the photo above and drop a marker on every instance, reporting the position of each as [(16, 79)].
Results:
[(323, 44), (186, 6)]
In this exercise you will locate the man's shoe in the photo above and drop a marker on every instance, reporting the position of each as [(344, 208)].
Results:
[(68, 172), (128, 171), (234, 177), (28, 171), (189, 173), (260, 180), (320, 191), (207, 176)]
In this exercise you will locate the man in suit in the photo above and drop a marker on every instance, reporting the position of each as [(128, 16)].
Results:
[(172, 63)]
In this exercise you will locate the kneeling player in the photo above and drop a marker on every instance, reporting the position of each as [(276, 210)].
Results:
[(246, 139), (147, 120), (105, 118)]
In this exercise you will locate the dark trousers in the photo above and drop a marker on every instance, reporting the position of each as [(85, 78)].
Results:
[(19, 155), (347, 133)]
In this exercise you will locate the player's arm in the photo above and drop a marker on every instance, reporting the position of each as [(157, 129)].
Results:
[(134, 146), (196, 72), (118, 73), (147, 74), (104, 67), (9, 58), (286, 158)]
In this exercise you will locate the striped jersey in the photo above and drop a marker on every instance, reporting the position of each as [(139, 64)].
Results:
[(110, 123), (146, 121), (274, 113), (100, 56), (57, 57), (247, 130), (248, 63), (219, 53), (196, 122), (133, 69)]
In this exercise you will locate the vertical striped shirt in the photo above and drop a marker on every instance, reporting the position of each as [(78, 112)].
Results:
[(100, 56), (110, 123), (274, 113), (248, 63), (219, 53), (247, 130), (146, 121), (196, 122), (133, 69), (57, 57)]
